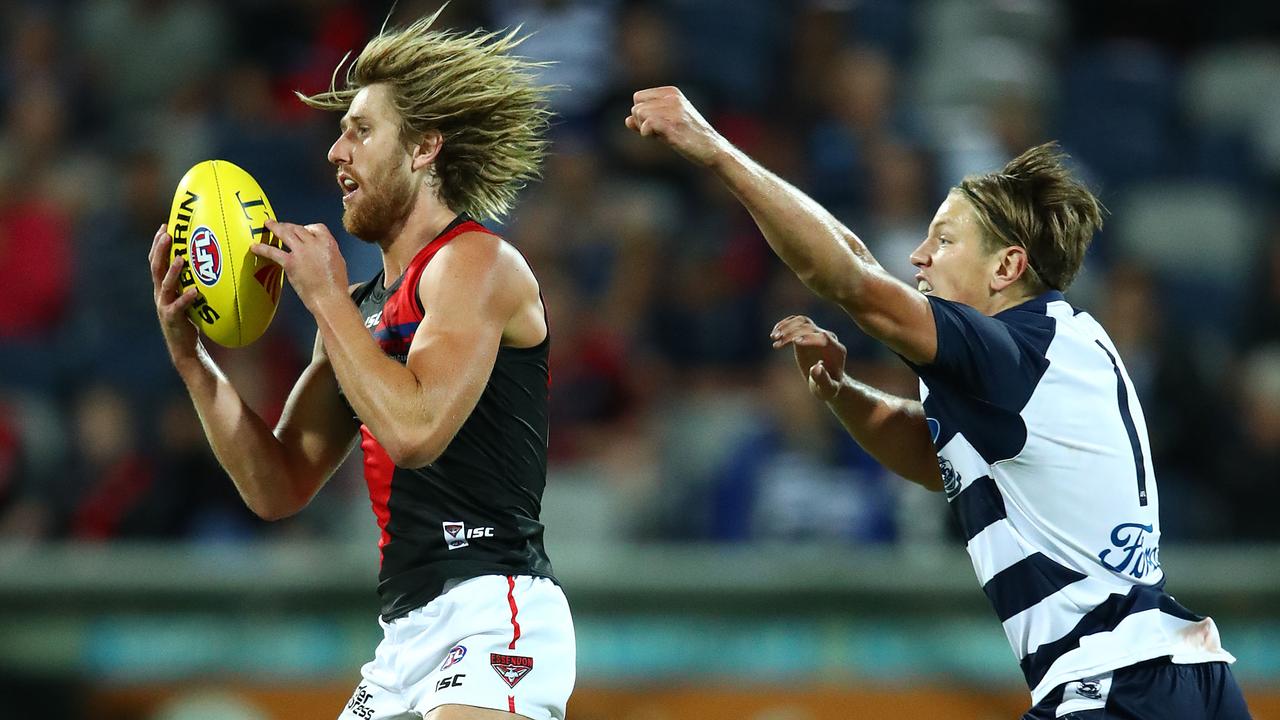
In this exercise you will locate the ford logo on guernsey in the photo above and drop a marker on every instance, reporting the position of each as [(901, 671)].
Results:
[(455, 655), (1129, 552), (206, 257)]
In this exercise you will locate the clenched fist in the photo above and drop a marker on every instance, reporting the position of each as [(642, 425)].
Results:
[(667, 114)]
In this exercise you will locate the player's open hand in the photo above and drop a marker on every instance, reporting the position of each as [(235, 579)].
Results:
[(666, 114), (171, 301), (311, 260), (819, 353)]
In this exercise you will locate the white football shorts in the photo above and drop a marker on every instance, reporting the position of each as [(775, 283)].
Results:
[(496, 641)]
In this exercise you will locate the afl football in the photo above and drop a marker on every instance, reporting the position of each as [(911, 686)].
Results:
[(218, 211)]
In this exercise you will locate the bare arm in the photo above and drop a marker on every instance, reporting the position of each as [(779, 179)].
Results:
[(892, 429), (277, 473), (830, 259), (470, 291)]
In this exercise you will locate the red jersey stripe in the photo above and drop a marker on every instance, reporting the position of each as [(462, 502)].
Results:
[(378, 469)]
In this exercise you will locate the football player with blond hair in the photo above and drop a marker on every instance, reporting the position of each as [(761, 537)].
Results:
[(436, 367)]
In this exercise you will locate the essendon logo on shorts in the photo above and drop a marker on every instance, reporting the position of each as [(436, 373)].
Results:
[(511, 668), (206, 257)]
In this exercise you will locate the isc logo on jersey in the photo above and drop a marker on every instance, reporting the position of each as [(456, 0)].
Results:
[(218, 212)]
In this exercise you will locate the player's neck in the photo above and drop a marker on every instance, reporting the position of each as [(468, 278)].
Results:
[(1003, 301), (427, 219)]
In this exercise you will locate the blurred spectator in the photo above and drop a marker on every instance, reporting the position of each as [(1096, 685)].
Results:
[(113, 334), (18, 517), (795, 476), (111, 477), (598, 278), (1261, 322), (648, 57), (1246, 472), (144, 52), (857, 112), (35, 280), (202, 502), (572, 35), (900, 207), (733, 49)]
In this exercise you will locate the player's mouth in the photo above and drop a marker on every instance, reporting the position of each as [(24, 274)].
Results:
[(923, 285), (349, 187)]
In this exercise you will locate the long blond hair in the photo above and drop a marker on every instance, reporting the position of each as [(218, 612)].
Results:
[(483, 100)]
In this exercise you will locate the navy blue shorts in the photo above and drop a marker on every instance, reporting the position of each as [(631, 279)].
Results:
[(1152, 690)]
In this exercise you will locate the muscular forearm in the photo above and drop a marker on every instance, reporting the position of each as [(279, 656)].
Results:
[(820, 250), (892, 429), (386, 395), (244, 445)]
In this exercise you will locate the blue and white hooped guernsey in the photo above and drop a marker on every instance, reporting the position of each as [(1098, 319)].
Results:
[(1046, 464)]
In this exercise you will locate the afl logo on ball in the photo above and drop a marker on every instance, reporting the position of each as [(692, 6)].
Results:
[(206, 257)]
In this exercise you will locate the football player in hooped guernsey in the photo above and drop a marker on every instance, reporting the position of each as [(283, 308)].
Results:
[(1027, 421), (436, 367)]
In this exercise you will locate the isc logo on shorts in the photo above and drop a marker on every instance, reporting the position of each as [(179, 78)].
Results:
[(456, 534), (206, 257)]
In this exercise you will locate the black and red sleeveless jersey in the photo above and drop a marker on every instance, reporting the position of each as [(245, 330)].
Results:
[(474, 511)]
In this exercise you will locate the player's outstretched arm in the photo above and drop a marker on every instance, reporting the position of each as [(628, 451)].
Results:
[(276, 473), (892, 429), (830, 259)]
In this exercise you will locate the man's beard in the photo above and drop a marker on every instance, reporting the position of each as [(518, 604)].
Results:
[(383, 207)]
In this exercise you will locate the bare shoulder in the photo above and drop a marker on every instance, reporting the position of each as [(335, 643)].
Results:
[(482, 257), (495, 275)]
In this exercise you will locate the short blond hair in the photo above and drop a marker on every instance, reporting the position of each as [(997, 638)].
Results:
[(1035, 203), (483, 100)]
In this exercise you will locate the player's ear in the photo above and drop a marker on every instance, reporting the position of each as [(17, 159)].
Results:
[(427, 150), (1011, 266)]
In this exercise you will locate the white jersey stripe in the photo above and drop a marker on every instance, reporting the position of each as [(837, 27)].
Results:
[(1059, 614), (996, 548), (1026, 583)]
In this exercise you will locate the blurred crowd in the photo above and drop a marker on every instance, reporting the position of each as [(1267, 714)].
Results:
[(672, 419)]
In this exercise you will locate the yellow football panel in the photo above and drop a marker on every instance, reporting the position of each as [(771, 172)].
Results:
[(195, 205), (222, 294), (257, 280)]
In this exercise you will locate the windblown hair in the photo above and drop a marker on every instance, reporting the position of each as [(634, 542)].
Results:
[(1035, 203), (483, 100)]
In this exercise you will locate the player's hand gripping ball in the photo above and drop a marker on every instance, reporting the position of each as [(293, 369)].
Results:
[(218, 212)]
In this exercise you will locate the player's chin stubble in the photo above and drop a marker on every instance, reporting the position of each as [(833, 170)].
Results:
[(385, 203)]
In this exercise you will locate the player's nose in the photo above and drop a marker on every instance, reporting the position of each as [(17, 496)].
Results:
[(339, 152), (920, 256)]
